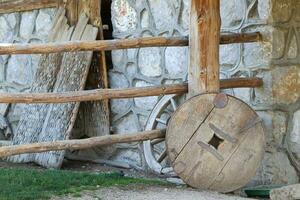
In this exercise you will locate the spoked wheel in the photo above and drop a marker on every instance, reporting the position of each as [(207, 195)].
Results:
[(155, 150)]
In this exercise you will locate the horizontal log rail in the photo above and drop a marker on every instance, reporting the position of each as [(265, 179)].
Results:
[(107, 45), (11, 6), (100, 94), (80, 144)]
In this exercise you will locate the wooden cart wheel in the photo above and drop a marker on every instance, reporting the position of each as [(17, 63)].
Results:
[(155, 150), (215, 141)]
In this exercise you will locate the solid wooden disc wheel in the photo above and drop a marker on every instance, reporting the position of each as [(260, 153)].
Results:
[(216, 142)]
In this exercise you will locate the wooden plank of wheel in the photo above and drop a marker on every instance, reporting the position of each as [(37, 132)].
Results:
[(214, 141)]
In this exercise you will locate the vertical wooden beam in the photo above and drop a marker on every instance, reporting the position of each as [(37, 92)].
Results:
[(71, 11), (93, 9), (205, 25)]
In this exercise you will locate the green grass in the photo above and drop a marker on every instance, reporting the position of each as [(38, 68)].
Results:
[(23, 184)]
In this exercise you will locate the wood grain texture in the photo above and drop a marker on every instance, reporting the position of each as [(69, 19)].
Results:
[(94, 116), (208, 145), (107, 45), (94, 95), (205, 25), (72, 14), (49, 122), (60, 118), (80, 144), (33, 116), (26, 5)]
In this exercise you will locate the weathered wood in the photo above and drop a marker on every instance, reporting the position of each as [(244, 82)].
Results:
[(33, 116), (240, 38), (80, 144), (60, 118), (6, 130), (26, 5), (106, 45), (94, 117), (5, 143), (241, 83), (4, 109), (52, 122), (205, 25), (72, 14), (94, 95), (211, 138)]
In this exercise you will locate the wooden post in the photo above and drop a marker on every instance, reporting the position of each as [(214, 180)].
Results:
[(205, 25)]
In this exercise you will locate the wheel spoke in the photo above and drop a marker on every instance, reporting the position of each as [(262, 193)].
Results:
[(161, 121), (162, 156), (155, 153), (157, 141), (174, 104), (168, 170)]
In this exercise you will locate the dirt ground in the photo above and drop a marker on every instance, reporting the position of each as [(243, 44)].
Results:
[(133, 192), (149, 193)]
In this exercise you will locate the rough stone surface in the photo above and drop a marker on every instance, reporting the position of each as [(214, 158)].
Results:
[(6, 32), (131, 156), (124, 16), (275, 128), (290, 192), (229, 60), (145, 103), (150, 62), (176, 61), (286, 85), (19, 70), (282, 10), (295, 134), (44, 18), (126, 124), (163, 13), (27, 24), (118, 80), (275, 169), (232, 12)]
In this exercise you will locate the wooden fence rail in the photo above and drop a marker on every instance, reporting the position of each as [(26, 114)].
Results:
[(107, 45), (80, 144), (11, 6), (100, 94)]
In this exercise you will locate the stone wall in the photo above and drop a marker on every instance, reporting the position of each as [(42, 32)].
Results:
[(276, 60)]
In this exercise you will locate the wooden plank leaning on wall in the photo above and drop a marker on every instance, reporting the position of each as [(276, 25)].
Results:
[(98, 72), (94, 117)]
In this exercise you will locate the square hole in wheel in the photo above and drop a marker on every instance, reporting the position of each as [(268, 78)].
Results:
[(216, 141)]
